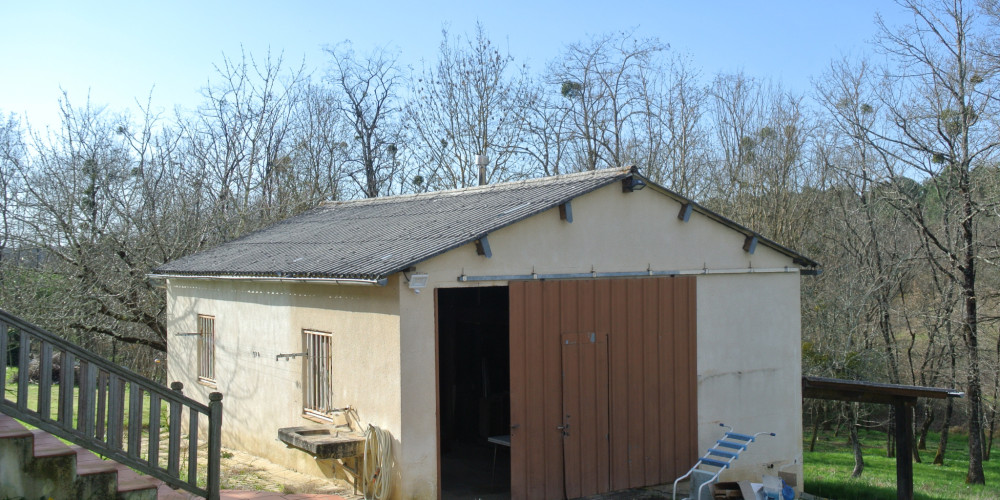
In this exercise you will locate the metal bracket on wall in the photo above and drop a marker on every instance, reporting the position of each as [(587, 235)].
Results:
[(566, 212), (685, 213), (483, 247), (290, 356)]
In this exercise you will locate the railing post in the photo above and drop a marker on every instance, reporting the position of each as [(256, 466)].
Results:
[(154, 429), (4, 356), (101, 425), (24, 344), (116, 411), (214, 443), (174, 434), (67, 381), (86, 420), (45, 381), (134, 420)]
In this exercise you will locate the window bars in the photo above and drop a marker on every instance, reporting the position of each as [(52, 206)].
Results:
[(318, 385), (206, 348)]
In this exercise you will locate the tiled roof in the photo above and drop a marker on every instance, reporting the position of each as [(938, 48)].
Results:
[(374, 238)]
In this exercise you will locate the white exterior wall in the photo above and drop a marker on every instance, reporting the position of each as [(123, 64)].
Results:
[(256, 321), (750, 369), (748, 324)]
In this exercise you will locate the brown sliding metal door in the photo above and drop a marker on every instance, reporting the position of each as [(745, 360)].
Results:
[(603, 384), (586, 447)]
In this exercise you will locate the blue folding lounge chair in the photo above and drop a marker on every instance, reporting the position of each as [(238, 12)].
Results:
[(718, 458)]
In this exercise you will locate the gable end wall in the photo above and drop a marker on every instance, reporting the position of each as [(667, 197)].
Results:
[(748, 324)]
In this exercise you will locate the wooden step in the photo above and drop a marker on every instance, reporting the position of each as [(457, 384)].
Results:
[(128, 482), (165, 492), (48, 467), (47, 445), (10, 428), (95, 478), (89, 463)]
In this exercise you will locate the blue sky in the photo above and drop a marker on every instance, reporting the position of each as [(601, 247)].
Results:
[(119, 51)]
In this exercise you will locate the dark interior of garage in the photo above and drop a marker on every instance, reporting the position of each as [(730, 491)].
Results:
[(474, 392)]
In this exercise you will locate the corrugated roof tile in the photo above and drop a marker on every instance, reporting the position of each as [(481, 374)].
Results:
[(373, 238)]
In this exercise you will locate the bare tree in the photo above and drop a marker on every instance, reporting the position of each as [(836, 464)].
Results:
[(11, 156), (368, 103), (107, 198), (603, 84), (763, 169), (869, 225), (94, 197), (852, 422), (473, 102), (241, 138), (674, 146), (320, 152), (547, 131), (928, 115), (989, 48)]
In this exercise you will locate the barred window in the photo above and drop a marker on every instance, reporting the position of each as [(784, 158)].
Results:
[(206, 348), (318, 400)]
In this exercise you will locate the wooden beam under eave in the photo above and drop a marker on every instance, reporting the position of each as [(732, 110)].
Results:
[(685, 213), (858, 396), (483, 247), (750, 244), (566, 212), (820, 386)]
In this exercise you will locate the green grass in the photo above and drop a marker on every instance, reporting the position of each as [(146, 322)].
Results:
[(828, 470), (11, 394)]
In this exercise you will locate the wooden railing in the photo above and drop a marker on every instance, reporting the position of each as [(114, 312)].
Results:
[(94, 398)]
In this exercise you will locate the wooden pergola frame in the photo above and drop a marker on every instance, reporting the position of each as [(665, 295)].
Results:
[(901, 397)]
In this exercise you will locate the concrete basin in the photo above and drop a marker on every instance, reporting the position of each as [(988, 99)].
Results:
[(324, 441)]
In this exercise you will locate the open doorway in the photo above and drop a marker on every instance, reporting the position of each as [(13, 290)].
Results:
[(474, 391)]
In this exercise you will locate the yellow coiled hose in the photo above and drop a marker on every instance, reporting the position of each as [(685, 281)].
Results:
[(376, 468)]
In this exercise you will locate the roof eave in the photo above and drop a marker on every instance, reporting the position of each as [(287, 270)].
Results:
[(797, 258), (287, 278)]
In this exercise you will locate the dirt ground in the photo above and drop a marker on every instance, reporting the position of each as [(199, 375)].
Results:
[(241, 471)]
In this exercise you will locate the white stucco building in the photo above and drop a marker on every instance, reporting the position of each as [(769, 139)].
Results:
[(606, 329)]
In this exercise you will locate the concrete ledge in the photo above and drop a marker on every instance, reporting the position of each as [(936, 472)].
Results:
[(324, 441)]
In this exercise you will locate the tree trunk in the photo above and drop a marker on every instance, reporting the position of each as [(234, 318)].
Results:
[(974, 394), (839, 424), (890, 434), (371, 181), (925, 427), (859, 460), (989, 444), (945, 426), (812, 442), (993, 412)]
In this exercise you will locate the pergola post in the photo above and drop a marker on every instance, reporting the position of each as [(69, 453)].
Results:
[(904, 448)]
